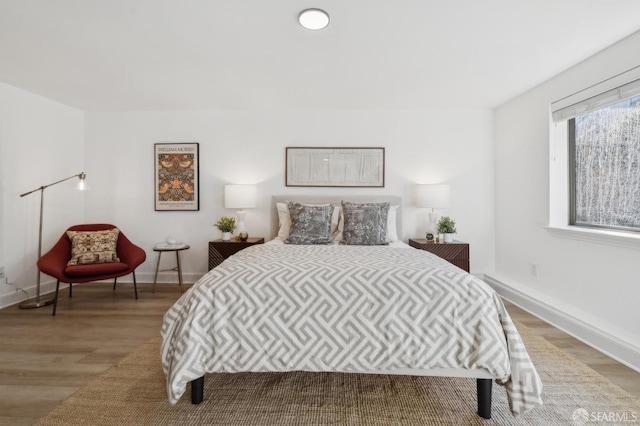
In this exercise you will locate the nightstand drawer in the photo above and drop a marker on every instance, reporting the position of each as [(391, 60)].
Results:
[(219, 250), (456, 253)]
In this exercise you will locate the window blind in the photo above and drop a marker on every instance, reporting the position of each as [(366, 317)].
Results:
[(609, 92)]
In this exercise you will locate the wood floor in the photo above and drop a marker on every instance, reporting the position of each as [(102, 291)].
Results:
[(45, 359)]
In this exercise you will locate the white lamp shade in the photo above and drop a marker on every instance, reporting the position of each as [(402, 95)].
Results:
[(432, 196), (240, 196)]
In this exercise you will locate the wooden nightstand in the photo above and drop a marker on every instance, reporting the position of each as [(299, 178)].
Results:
[(219, 250), (456, 252)]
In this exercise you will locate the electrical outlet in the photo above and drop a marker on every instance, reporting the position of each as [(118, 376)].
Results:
[(1, 272), (535, 268)]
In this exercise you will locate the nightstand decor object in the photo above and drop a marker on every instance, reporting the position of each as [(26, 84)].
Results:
[(219, 250), (447, 227), (456, 253), (240, 197), (226, 225)]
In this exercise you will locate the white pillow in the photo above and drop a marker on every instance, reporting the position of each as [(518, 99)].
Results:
[(285, 220), (392, 226)]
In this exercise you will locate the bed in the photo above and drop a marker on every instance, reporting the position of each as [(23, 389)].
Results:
[(384, 309)]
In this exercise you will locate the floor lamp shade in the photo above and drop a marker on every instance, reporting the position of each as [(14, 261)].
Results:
[(240, 197)]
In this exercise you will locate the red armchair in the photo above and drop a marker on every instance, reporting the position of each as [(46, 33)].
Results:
[(54, 262)]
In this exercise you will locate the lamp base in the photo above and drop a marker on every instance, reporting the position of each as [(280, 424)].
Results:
[(433, 222), (35, 303), (240, 223)]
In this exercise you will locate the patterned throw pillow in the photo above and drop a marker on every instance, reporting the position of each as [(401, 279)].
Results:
[(284, 220), (89, 247), (365, 224), (309, 224)]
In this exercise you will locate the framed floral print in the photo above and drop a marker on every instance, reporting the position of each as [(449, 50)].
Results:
[(177, 182)]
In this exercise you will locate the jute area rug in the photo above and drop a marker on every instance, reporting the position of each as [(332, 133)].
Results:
[(133, 393)]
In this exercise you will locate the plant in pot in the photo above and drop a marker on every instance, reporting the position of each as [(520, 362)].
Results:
[(226, 225), (447, 227)]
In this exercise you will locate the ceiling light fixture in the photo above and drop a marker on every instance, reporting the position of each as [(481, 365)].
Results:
[(313, 19)]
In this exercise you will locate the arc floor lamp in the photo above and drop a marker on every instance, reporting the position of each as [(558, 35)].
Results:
[(38, 301)]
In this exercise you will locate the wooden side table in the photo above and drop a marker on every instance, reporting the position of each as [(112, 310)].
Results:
[(220, 250), (178, 268), (456, 253)]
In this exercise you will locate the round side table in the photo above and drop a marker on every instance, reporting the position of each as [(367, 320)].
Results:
[(164, 248)]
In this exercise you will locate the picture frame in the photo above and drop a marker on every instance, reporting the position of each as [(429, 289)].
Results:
[(351, 167), (177, 176)]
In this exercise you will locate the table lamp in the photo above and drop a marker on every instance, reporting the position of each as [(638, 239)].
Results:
[(432, 197), (240, 197)]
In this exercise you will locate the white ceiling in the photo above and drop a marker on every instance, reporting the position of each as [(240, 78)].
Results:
[(237, 54)]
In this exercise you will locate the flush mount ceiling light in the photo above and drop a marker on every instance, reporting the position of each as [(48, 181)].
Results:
[(313, 19)]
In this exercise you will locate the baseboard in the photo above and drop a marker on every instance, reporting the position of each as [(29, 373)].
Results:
[(48, 286), (163, 277), (599, 339)]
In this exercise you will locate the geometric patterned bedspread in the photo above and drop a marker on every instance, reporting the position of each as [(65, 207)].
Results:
[(280, 307)]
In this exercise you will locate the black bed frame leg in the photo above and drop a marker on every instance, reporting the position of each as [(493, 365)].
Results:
[(484, 397), (197, 390)]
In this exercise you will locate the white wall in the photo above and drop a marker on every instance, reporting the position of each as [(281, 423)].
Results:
[(248, 146), (592, 288), (41, 142)]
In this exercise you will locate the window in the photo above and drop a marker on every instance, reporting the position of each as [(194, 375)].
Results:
[(604, 158), (604, 155)]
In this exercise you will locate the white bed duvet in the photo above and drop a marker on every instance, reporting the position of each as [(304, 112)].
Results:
[(277, 307)]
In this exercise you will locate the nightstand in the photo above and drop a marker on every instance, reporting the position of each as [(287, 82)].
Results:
[(219, 250), (456, 252)]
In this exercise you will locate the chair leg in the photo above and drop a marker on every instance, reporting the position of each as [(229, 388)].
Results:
[(115, 280), (55, 300), (135, 286), (70, 290)]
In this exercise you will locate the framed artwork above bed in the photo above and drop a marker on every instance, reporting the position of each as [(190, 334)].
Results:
[(335, 167)]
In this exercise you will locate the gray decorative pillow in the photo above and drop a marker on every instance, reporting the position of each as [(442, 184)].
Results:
[(309, 224), (365, 224)]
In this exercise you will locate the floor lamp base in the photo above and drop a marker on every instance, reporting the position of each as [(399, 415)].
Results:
[(35, 303)]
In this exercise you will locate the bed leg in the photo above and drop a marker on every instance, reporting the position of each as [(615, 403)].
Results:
[(484, 397), (197, 390)]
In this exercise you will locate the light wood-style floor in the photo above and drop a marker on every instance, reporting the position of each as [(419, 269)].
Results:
[(45, 359)]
